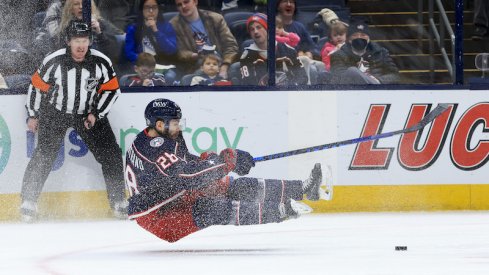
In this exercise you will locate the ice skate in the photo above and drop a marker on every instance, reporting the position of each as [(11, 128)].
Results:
[(293, 209), (312, 186), (120, 210), (28, 212)]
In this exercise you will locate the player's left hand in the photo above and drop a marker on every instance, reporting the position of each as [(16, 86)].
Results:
[(244, 163), (90, 121), (238, 161)]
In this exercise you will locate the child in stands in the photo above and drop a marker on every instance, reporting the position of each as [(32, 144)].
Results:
[(145, 72), (211, 64), (337, 38)]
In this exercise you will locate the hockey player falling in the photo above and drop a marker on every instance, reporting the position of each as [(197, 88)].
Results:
[(174, 193)]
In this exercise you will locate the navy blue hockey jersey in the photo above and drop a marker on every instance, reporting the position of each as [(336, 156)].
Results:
[(160, 171)]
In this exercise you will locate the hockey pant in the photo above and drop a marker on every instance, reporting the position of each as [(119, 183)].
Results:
[(242, 201), (100, 140)]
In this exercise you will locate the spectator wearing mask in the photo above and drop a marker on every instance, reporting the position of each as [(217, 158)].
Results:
[(361, 61)]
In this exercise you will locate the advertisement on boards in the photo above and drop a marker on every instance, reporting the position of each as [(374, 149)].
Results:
[(453, 149)]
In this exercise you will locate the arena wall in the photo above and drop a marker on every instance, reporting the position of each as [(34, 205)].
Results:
[(442, 168)]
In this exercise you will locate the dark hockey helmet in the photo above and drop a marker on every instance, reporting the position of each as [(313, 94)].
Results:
[(161, 109), (78, 28)]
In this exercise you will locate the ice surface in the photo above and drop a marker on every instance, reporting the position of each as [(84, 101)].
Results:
[(437, 243)]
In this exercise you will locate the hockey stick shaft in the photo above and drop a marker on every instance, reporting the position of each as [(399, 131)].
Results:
[(418, 126)]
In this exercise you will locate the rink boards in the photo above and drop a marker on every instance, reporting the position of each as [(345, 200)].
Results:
[(443, 167)]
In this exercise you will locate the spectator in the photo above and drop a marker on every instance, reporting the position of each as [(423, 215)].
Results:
[(46, 39), (209, 75), (323, 22), (286, 10), (103, 31), (361, 61), (337, 39), (253, 61), (145, 72), (67, 91), (289, 38), (53, 17), (306, 49), (3, 83), (151, 35), (481, 19), (196, 28)]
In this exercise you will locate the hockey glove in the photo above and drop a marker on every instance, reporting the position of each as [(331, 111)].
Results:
[(238, 161)]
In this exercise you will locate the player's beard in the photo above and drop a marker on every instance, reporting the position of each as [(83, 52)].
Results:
[(166, 134)]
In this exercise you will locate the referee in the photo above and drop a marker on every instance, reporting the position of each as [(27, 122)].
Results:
[(75, 87)]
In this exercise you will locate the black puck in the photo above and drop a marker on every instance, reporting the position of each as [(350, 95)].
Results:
[(401, 248)]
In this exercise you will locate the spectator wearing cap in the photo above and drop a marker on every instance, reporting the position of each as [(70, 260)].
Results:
[(194, 29), (361, 61), (253, 61)]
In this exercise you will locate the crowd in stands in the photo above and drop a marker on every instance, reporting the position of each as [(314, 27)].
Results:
[(206, 42)]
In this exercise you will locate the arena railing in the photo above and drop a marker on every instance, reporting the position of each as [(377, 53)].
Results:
[(437, 33)]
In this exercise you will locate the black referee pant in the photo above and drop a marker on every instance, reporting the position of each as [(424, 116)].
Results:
[(99, 139)]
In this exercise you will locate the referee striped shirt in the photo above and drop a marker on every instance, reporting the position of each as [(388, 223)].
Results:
[(85, 87)]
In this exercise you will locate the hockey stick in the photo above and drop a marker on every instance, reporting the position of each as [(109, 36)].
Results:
[(418, 126)]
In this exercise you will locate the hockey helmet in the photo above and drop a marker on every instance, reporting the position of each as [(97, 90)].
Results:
[(161, 109), (78, 28)]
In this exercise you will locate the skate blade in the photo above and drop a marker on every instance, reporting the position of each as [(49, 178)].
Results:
[(300, 207), (326, 194)]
